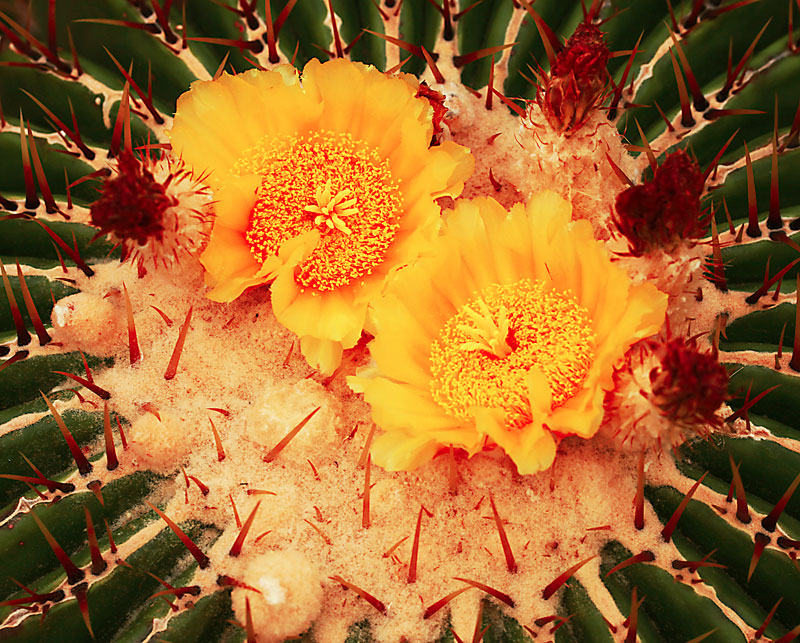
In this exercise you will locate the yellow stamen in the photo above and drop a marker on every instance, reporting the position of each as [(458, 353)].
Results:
[(322, 181), (330, 209), (484, 352), (486, 335)]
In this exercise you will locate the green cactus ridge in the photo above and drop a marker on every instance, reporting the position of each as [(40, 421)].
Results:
[(88, 546)]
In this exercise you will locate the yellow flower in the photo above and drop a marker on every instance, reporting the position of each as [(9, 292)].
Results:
[(324, 185), (506, 335)]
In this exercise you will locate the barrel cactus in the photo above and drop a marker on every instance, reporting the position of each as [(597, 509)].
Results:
[(176, 465)]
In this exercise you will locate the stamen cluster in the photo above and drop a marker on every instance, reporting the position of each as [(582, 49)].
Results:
[(484, 352), (322, 181)]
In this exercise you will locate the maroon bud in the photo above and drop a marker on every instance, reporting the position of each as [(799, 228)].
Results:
[(577, 81), (688, 386), (132, 203), (664, 211)]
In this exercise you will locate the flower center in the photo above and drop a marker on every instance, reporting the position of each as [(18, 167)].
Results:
[(484, 352), (331, 183)]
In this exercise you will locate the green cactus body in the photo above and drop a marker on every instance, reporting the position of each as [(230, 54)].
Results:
[(143, 475)]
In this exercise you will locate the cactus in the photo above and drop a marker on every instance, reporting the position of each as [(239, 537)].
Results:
[(97, 542)]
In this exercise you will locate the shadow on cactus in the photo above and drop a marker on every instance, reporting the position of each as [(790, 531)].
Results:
[(331, 320)]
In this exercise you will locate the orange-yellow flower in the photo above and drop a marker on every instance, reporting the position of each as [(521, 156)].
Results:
[(506, 335), (324, 182)]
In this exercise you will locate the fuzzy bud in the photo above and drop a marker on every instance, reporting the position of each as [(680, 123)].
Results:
[(664, 393), (577, 80), (664, 211), (689, 385), (132, 203), (156, 209)]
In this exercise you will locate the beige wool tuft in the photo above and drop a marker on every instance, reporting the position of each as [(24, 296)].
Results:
[(161, 444), (288, 594), (89, 319)]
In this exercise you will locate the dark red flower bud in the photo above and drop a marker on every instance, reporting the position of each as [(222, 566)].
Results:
[(577, 80), (665, 210), (666, 392), (689, 385), (132, 203)]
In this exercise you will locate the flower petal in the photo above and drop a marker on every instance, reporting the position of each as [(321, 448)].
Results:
[(230, 266), (402, 451), (531, 447), (322, 354), (397, 406), (357, 99), (307, 312), (217, 120)]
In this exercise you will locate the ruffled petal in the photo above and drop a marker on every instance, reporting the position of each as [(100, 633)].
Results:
[(230, 266), (397, 406), (238, 282), (216, 121), (402, 451), (307, 312), (581, 415), (408, 361), (322, 354), (362, 101), (532, 448)]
